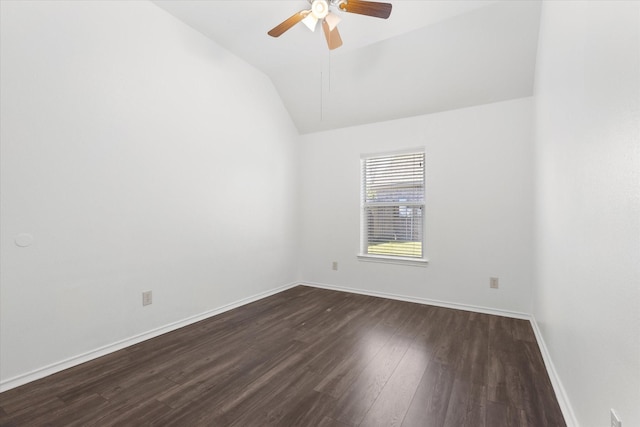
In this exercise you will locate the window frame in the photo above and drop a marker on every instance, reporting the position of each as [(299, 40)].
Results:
[(384, 258)]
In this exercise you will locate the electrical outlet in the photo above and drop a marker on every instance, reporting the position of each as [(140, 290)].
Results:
[(147, 298), (494, 283), (615, 421), (334, 266)]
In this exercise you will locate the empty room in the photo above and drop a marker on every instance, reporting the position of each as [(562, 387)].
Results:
[(330, 213)]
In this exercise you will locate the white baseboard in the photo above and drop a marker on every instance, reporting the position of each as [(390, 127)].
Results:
[(427, 301), (119, 345), (559, 390), (561, 394)]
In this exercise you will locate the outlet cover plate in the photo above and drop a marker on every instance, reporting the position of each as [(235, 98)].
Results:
[(147, 298)]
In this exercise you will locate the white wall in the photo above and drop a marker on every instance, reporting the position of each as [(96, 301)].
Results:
[(135, 157), (478, 209), (587, 286), (140, 155)]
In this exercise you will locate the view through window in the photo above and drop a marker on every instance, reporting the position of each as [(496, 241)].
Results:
[(393, 205)]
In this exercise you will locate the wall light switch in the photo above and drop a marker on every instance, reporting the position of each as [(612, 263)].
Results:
[(334, 265), (494, 283)]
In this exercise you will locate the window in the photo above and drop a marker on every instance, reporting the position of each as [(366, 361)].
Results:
[(393, 206)]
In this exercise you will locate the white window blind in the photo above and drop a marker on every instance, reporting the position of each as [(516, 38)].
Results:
[(393, 205)]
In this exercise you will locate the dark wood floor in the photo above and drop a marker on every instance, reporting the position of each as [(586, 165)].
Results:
[(308, 357)]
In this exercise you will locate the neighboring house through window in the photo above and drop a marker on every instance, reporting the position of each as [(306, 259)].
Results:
[(392, 204)]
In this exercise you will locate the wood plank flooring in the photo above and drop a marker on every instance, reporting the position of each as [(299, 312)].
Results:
[(308, 357)]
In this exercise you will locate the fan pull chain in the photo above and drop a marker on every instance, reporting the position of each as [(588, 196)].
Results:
[(329, 71), (321, 96)]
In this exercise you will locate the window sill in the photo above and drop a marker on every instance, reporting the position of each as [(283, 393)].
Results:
[(418, 262)]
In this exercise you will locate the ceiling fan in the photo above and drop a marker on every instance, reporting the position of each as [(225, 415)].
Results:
[(321, 11)]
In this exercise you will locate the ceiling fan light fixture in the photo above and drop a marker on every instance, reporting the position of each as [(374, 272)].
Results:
[(310, 21), (332, 20), (319, 9)]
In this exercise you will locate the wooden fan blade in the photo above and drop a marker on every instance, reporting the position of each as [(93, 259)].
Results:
[(279, 29), (334, 40), (369, 8)]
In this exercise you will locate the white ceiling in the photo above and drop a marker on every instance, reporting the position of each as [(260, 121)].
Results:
[(429, 56)]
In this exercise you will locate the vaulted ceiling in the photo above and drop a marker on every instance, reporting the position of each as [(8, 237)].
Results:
[(429, 56)]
